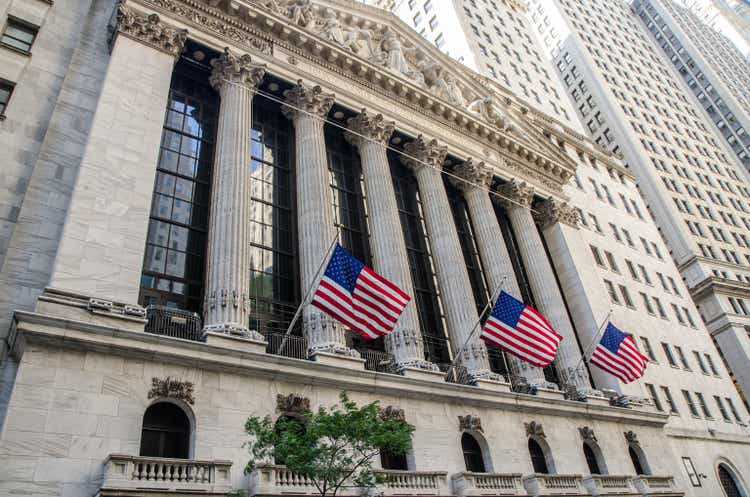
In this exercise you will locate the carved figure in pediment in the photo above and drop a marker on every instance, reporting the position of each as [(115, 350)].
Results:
[(489, 111), (300, 12), (332, 30), (446, 87), (275, 6), (393, 56)]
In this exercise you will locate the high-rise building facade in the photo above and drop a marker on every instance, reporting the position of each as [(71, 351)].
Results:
[(175, 174), (714, 70), (633, 101), (729, 17)]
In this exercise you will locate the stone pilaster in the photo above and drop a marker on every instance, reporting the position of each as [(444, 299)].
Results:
[(475, 180), (425, 158), (103, 240), (549, 300), (307, 107), (228, 262), (370, 134), (582, 286)]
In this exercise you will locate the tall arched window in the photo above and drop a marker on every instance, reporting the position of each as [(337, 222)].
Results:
[(165, 432), (639, 460), (729, 483), (538, 460), (289, 423), (591, 461), (472, 454)]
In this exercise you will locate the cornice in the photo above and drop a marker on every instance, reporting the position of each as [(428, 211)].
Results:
[(148, 29), (724, 286), (61, 332), (256, 28)]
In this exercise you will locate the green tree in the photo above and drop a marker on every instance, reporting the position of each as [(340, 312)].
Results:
[(332, 447)]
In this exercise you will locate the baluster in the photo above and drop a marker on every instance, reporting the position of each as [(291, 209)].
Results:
[(136, 471)]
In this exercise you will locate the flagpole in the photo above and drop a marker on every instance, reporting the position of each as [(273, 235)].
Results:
[(313, 284), (474, 328)]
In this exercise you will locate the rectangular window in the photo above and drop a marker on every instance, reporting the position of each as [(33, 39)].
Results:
[(711, 365), (611, 261), (612, 293), (647, 348), (690, 403), (19, 35), (654, 397), (722, 409), (695, 479), (735, 413), (597, 256), (681, 356), (704, 406), (700, 362), (647, 303), (670, 356), (670, 400), (6, 89), (626, 297)]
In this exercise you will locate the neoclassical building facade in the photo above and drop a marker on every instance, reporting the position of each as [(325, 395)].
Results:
[(196, 162)]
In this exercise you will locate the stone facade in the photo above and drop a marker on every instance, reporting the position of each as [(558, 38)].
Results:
[(87, 362)]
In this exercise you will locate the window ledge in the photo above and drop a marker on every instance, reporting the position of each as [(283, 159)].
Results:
[(15, 49)]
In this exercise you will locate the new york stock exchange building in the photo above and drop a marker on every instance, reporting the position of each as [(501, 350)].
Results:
[(196, 160)]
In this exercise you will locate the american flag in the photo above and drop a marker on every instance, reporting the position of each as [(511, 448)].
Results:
[(359, 297), (617, 354), (522, 331)]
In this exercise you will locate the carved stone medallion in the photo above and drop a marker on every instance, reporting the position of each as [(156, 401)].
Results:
[(534, 429), (292, 404), (470, 422), (171, 388)]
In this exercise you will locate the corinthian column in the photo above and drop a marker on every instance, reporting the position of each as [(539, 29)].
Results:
[(498, 268), (426, 159), (370, 135), (549, 300), (227, 303), (307, 107)]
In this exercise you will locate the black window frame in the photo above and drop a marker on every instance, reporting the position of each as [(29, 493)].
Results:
[(9, 86), (21, 25)]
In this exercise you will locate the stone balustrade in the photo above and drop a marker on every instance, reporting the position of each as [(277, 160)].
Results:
[(468, 484), (539, 484), (654, 485), (123, 472), (276, 479), (609, 485)]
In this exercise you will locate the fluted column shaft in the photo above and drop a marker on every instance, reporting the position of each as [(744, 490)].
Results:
[(496, 262), (390, 259), (542, 281), (450, 267), (306, 107), (228, 279)]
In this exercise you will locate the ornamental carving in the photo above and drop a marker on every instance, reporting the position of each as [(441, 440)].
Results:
[(171, 388), (472, 174), (392, 413), (631, 437), (235, 69), (149, 29), (292, 404), (470, 422), (424, 153), (553, 211), (587, 434), (303, 100), (534, 429), (515, 194), (365, 126)]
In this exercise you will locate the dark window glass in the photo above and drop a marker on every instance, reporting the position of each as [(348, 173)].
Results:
[(635, 458), (165, 432), (19, 34), (591, 461), (274, 287), (174, 265), (392, 461), (420, 263), (727, 483), (538, 461), (472, 454), (6, 89)]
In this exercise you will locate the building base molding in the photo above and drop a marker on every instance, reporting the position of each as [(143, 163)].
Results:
[(235, 342), (494, 385), (338, 360), (424, 374)]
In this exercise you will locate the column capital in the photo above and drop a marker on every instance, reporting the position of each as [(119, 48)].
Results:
[(374, 128), (150, 30), (302, 99), (234, 69), (553, 211), (424, 153), (472, 174), (515, 194)]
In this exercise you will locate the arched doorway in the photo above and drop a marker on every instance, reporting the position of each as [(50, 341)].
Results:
[(591, 460), (729, 482), (639, 460), (165, 432), (389, 460), (473, 456), (538, 459)]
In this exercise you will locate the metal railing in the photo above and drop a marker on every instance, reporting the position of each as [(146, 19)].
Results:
[(376, 360), (175, 323), (295, 346)]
